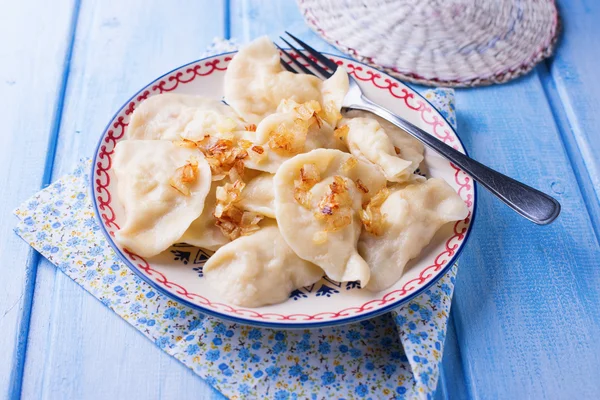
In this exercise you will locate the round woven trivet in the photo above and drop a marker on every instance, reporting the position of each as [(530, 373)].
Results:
[(440, 42)]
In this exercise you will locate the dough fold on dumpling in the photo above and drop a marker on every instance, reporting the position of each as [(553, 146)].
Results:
[(259, 269), (412, 214), (171, 116), (156, 212), (406, 146), (258, 195), (203, 232), (319, 225), (367, 140), (255, 83)]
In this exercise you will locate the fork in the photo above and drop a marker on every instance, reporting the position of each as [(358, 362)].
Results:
[(530, 203)]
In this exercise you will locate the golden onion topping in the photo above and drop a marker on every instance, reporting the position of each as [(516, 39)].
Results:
[(309, 177), (308, 110), (258, 149), (184, 177), (372, 218), (231, 219), (288, 137), (222, 156), (361, 186), (335, 208), (349, 164)]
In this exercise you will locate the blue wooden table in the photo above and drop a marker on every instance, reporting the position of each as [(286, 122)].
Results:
[(525, 320)]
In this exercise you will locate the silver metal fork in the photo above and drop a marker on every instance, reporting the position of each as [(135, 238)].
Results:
[(525, 200)]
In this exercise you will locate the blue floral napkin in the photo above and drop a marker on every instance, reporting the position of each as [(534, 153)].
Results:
[(394, 355)]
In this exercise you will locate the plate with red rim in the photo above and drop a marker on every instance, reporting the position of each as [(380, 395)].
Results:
[(177, 272)]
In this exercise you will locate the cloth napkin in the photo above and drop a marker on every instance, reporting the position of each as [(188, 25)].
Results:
[(394, 355)]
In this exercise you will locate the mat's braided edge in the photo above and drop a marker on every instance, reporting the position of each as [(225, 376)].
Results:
[(501, 77)]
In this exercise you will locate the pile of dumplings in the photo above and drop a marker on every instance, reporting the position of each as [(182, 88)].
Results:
[(281, 186)]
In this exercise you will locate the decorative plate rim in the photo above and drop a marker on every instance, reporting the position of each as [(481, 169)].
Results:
[(128, 106)]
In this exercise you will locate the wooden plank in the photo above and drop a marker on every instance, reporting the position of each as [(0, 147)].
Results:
[(35, 42), (574, 75), (526, 296), (77, 347), (253, 18)]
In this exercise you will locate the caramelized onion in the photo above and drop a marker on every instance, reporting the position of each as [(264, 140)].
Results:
[(371, 216), (335, 208), (309, 176), (184, 177)]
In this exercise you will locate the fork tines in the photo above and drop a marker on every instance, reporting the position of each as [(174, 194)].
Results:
[(294, 60), (332, 66)]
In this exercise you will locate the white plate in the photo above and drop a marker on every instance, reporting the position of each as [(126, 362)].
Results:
[(178, 271)]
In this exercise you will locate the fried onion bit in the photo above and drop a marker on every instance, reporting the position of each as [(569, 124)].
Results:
[(361, 186), (335, 208), (309, 177), (222, 156), (371, 216), (184, 177), (258, 149), (288, 137), (349, 164), (231, 219)]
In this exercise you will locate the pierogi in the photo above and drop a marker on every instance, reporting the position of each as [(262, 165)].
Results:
[(162, 188), (171, 116), (259, 269), (318, 214), (412, 214)]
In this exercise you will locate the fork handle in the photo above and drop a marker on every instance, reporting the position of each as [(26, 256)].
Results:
[(532, 204)]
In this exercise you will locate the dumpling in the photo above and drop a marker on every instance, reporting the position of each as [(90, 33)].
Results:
[(259, 269), (255, 83), (406, 146), (367, 140), (317, 199), (170, 116), (293, 129), (411, 215), (162, 188), (258, 196), (203, 232)]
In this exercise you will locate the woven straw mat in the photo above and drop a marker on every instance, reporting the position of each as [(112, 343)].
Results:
[(440, 42)]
